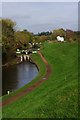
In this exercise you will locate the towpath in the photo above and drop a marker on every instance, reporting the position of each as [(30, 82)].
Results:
[(35, 85)]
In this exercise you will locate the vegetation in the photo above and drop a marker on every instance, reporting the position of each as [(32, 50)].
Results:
[(59, 32), (44, 33), (7, 39), (57, 97), (12, 39)]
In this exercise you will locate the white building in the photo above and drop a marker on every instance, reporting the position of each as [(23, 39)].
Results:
[(61, 39)]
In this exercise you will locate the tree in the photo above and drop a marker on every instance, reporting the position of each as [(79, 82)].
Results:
[(8, 28), (59, 32), (22, 39), (8, 46), (44, 33), (70, 35)]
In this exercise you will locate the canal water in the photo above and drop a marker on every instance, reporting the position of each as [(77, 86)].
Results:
[(16, 76)]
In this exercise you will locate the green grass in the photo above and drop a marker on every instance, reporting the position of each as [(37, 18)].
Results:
[(57, 97)]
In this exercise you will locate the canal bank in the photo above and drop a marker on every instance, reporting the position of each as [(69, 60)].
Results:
[(37, 60), (50, 99), (10, 69), (12, 75), (38, 83), (17, 76), (42, 70)]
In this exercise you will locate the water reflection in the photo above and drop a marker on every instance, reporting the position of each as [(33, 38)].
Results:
[(14, 77)]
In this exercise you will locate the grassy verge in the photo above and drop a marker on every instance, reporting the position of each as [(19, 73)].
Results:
[(57, 97)]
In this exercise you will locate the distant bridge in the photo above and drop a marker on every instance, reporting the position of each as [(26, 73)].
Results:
[(24, 57)]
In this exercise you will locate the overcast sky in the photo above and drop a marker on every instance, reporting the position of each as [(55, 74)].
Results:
[(45, 16)]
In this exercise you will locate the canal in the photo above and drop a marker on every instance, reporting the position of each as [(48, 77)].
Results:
[(16, 76)]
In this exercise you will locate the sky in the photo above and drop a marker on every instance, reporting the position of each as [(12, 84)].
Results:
[(42, 16)]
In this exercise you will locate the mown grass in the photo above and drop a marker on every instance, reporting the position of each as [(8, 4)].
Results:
[(57, 97)]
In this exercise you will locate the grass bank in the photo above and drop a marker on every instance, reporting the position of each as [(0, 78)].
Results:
[(57, 97)]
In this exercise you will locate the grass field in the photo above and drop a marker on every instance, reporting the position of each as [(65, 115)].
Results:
[(57, 97)]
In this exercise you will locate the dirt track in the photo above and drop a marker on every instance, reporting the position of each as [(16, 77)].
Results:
[(15, 97)]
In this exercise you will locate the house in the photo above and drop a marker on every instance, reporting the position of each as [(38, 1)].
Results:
[(61, 39)]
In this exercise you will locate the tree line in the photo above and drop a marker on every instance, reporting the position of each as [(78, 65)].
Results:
[(12, 39)]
